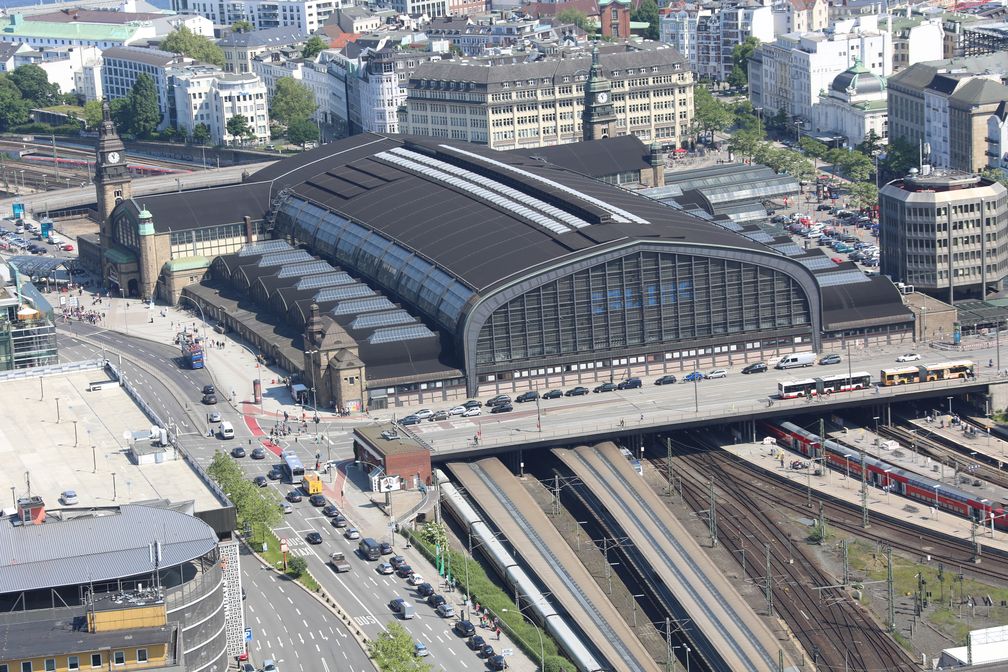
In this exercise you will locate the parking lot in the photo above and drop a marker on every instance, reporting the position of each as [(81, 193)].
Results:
[(843, 235)]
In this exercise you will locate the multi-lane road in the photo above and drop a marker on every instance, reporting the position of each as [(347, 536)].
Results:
[(363, 593)]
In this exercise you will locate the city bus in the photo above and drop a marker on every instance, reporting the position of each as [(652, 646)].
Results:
[(928, 372), (946, 370), (842, 382), (293, 468), (900, 376), (796, 388)]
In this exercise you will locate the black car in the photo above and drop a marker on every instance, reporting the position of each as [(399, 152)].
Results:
[(473, 403), (605, 387), (464, 628), (329, 510), (497, 663), (317, 500), (313, 538), (666, 380), (486, 652), (425, 590), (385, 548), (499, 399), (823, 207), (338, 520), (435, 600), (531, 395), (259, 453), (629, 384), (576, 391), (209, 399), (238, 452), (294, 496), (755, 367), (397, 560), (404, 571), (553, 394), (274, 474), (501, 408), (476, 642), (409, 420), (260, 481), (209, 389)]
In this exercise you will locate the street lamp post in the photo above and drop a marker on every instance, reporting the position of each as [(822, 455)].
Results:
[(114, 493), (847, 460), (687, 649), (950, 405), (542, 649), (206, 324), (13, 496)]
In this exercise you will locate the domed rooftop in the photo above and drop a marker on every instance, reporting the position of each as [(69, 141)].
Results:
[(858, 80)]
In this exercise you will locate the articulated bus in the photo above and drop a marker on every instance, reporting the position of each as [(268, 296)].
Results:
[(293, 468), (927, 372), (859, 380)]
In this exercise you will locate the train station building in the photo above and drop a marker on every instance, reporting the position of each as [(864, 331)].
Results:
[(389, 270)]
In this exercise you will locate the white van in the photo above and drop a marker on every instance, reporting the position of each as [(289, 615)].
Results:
[(796, 360), (226, 430)]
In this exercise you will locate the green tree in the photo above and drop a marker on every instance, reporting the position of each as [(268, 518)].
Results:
[(863, 194), (813, 147), (300, 131), (184, 41), (238, 126), (647, 11), (574, 17), (33, 83), (744, 143), (855, 166), (13, 108), (201, 134), (292, 100), (392, 651), (119, 109), (253, 507), (297, 566), (241, 26), (145, 115), (709, 114), (996, 174), (739, 75), (871, 144), (313, 47), (93, 114), (900, 157)]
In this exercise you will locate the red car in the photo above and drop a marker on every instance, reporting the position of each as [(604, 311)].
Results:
[(68, 248)]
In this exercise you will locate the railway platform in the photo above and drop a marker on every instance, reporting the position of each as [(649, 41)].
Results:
[(838, 485), (985, 443), (736, 636), (506, 502)]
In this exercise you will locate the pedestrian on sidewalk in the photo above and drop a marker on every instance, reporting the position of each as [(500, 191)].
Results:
[(498, 634)]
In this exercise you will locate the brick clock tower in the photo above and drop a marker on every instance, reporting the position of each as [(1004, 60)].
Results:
[(598, 119), (112, 178)]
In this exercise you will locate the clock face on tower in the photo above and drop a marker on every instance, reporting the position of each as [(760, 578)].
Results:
[(602, 98), (112, 157)]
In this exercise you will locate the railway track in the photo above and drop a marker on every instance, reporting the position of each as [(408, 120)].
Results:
[(942, 449), (836, 631)]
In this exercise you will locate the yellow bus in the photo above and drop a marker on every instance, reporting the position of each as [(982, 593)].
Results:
[(900, 376), (946, 370)]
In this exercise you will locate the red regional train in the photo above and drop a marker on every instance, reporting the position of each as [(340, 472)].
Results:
[(889, 476)]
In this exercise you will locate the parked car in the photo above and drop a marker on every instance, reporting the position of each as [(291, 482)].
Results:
[(260, 481), (436, 600), (755, 367), (830, 359), (414, 579), (486, 652), (531, 395), (629, 384), (424, 589), (385, 548), (473, 403), (909, 357), (438, 416), (501, 408), (385, 568), (404, 571), (472, 412), (605, 387), (464, 628), (667, 379), (476, 642), (238, 451), (313, 538), (497, 663), (409, 420), (718, 373), (424, 413), (294, 496), (576, 391), (397, 560), (691, 377), (457, 410), (499, 399), (553, 394), (445, 610)]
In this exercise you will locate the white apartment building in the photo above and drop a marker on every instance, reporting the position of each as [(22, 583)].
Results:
[(306, 15), (64, 66), (240, 48), (513, 103), (706, 34), (797, 67), (274, 65), (122, 65), (915, 40), (207, 95), (430, 8)]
